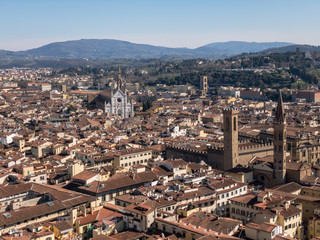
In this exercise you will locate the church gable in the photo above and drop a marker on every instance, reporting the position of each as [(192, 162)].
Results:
[(119, 94), (264, 166)]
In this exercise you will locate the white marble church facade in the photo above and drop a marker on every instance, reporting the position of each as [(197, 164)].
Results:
[(119, 103)]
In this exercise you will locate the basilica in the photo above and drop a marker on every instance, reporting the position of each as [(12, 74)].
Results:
[(114, 102)]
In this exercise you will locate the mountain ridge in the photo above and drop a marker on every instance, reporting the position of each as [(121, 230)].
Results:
[(292, 48), (116, 49), (234, 47)]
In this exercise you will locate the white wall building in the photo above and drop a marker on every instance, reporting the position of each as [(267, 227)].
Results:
[(7, 138), (119, 104)]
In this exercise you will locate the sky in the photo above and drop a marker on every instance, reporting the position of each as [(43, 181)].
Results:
[(26, 24)]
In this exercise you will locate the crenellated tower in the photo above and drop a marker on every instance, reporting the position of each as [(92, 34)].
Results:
[(231, 145), (279, 143)]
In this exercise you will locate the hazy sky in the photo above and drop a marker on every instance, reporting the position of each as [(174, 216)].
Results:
[(27, 24)]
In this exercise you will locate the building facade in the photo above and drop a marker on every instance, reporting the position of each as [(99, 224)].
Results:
[(119, 104), (116, 103)]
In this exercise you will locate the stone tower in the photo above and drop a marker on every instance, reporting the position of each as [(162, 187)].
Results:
[(230, 128), (120, 84), (203, 85), (280, 143)]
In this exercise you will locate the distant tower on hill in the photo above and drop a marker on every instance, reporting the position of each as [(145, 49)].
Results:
[(280, 143), (203, 86), (231, 145)]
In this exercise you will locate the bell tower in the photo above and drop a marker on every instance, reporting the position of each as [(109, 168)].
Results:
[(280, 143), (231, 145), (203, 86), (119, 80)]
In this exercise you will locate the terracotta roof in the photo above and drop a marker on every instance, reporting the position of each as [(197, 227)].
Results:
[(96, 216), (246, 198), (289, 187), (143, 208), (290, 211), (129, 235), (265, 227), (211, 221), (63, 226), (240, 169), (14, 189), (160, 147), (311, 179), (102, 237), (294, 166), (85, 175)]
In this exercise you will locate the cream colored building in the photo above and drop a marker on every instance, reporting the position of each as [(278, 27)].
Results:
[(23, 207), (314, 225), (217, 227), (75, 168), (263, 231), (41, 148), (264, 207), (129, 158), (139, 216), (240, 174)]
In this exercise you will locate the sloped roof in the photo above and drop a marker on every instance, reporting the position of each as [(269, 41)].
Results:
[(105, 95)]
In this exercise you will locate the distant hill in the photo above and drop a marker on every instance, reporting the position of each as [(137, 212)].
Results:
[(292, 48), (11, 54), (104, 49), (238, 47), (116, 49)]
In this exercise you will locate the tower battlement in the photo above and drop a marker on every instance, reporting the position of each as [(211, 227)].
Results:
[(246, 146), (186, 149), (255, 146), (233, 110), (218, 149)]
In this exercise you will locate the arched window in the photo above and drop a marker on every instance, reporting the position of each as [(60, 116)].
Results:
[(234, 124)]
